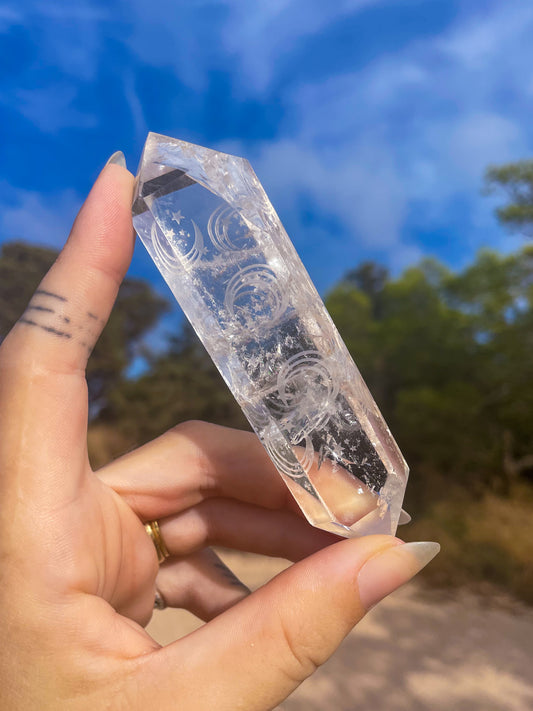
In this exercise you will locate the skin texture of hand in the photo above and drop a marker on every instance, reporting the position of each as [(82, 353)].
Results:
[(78, 571)]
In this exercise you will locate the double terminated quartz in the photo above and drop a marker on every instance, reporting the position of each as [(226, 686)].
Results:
[(216, 239)]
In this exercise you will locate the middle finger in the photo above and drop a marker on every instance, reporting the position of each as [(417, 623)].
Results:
[(193, 462), (245, 527)]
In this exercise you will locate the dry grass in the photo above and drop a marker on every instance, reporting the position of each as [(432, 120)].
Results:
[(105, 444), (485, 543)]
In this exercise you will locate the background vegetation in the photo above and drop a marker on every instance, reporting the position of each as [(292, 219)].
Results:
[(446, 354)]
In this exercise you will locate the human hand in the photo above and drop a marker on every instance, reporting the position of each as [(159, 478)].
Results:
[(78, 571)]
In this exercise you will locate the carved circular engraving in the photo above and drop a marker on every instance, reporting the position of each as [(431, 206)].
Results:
[(254, 297), (306, 394), (227, 229), (284, 459), (162, 248), (257, 415), (170, 249), (198, 247), (306, 455)]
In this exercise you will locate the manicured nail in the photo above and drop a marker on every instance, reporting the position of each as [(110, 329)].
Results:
[(404, 518), (117, 158), (393, 567)]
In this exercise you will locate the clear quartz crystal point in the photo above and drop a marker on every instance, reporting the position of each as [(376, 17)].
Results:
[(208, 225)]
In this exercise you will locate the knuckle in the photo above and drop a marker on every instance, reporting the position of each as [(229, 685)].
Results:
[(194, 438), (105, 271), (215, 514), (298, 659), (210, 524), (190, 428)]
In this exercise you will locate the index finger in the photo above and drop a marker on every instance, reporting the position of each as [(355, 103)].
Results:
[(192, 462), (65, 316), (43, 393)]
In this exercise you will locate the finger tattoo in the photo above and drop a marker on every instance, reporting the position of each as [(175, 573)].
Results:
[(229, 575), (49, 293), (46, 311)]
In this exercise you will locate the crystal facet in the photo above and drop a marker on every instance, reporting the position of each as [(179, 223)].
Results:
[(208, 225)]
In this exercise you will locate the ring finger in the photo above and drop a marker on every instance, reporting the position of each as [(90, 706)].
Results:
[(200, 583)]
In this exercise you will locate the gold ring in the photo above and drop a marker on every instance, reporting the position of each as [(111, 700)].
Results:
[(153, 530)]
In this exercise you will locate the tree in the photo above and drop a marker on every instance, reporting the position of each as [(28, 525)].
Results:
[(21, 269), (370, 278), (181, 383), (516, 180), (137, 310), (447, 359)]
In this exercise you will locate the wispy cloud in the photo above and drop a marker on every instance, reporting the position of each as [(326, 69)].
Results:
[(9, 16), (52, 109), (401, 141), (31, 217), (261, 34), (360, 188), (372, 153), (68, 35)]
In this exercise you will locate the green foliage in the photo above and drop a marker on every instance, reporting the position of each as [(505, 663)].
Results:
[(137, 309), (181, 384), (447, 357), (369, 278), (516, 180), (21, 269)]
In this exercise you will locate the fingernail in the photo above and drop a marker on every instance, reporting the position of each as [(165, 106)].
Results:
[(392, 568), (117, 158), (404, 518)]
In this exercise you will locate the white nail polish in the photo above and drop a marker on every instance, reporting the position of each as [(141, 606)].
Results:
[(404, 518), (117, 158), (422, 551), (391, 568)]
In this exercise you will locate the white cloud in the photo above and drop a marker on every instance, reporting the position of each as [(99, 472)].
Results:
[(260, 32), (171, 38), (33, 217), (482, 138), (68, 39), (135, 106), (475, 40), (360, 188), (409, 136), (9, 16), (254, 33), (69, 34), (406, 139), (397, 143), (51, 108)]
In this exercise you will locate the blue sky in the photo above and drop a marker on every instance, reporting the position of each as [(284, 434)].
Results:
[(369, 122)]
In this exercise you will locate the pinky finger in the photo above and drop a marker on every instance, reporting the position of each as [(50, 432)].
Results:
[(200, 583)]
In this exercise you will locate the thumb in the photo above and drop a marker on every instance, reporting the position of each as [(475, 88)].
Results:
[(255, 654)]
